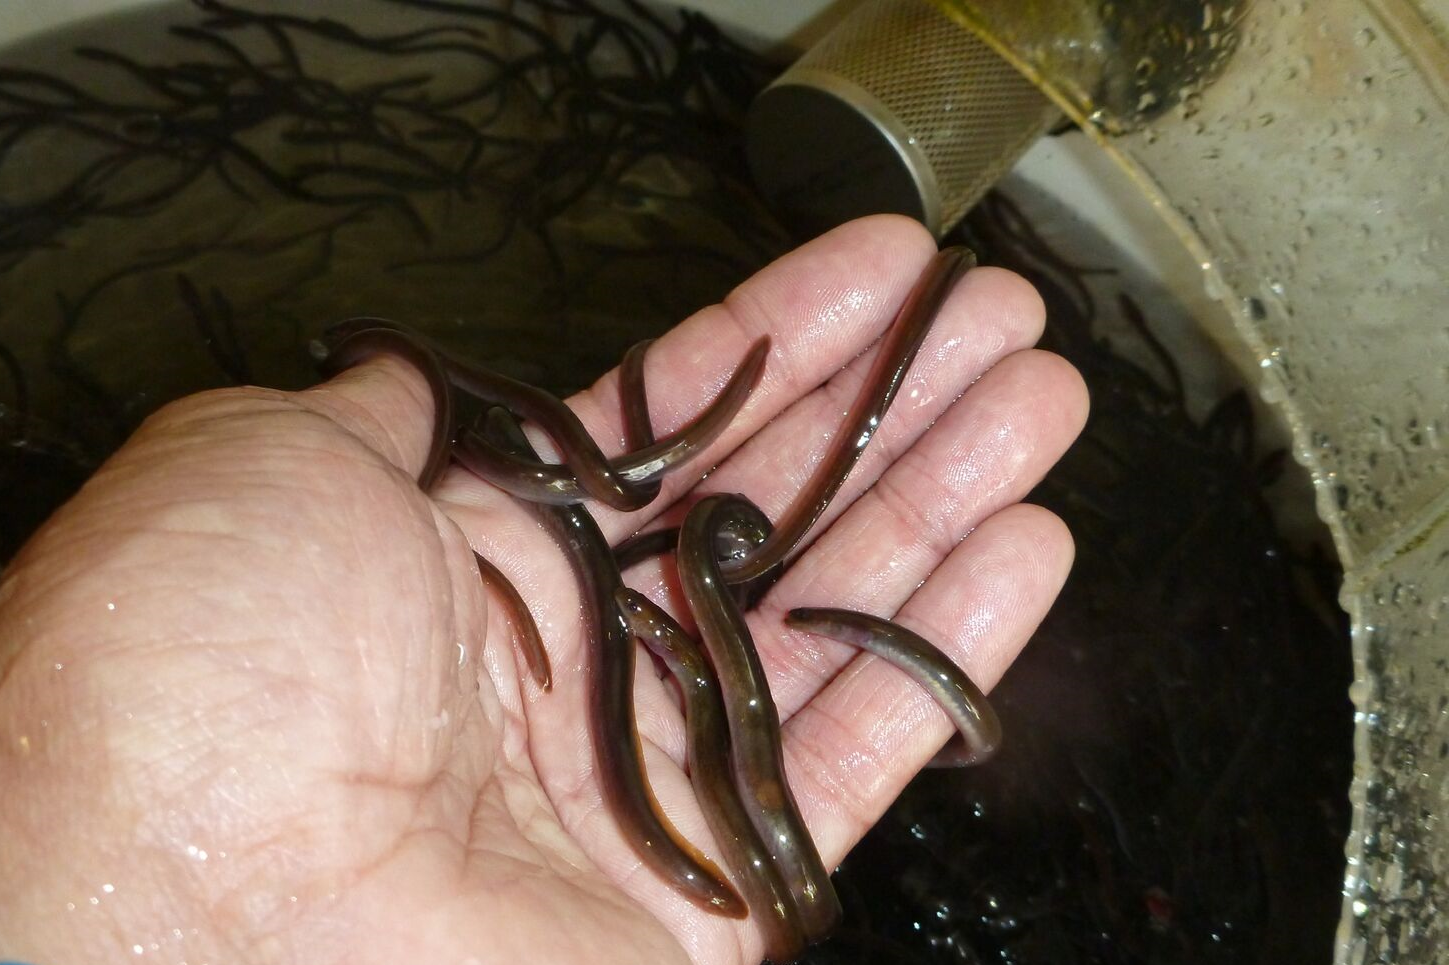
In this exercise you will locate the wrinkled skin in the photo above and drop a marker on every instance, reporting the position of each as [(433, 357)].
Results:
[(255, 705)]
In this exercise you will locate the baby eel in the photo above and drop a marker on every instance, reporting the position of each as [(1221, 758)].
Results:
[(897, 350), (596, 476), (359, 339), (962, 700), (525, 631), (593, 471), (754, 723), (641, 546), (617, 751), (634, 400), (729, 544), (709, 771), (543, 482)]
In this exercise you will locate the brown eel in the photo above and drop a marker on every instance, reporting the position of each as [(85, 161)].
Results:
[(977, 724), (726, 550), (756, 752), (617, 751), (640, 468), (596, 475), (525, 631), (898, 348), (756, 872)]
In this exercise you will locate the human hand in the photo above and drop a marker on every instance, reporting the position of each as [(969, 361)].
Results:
[(255, 705)]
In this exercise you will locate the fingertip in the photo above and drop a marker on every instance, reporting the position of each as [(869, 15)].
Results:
[(882, 229), (838, 288), (1048, 387), (1067, 389), (1000, 299), (1019, 561), (1053, 549)]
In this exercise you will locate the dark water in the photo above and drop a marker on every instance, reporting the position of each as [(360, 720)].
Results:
[(189, 194), (1172, 787)]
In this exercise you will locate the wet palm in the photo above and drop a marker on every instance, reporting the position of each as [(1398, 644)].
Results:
[(256, 705)]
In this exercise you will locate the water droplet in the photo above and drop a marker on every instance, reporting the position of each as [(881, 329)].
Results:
[(1359, 692)]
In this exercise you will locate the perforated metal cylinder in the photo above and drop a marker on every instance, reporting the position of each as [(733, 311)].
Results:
[(897, 109)]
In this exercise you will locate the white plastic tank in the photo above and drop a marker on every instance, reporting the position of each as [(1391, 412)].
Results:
[(1295, 206)]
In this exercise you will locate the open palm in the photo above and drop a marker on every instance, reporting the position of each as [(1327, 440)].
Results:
[(255, 705)]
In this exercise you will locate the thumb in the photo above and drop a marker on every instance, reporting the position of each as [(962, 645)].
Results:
[(394, 403)]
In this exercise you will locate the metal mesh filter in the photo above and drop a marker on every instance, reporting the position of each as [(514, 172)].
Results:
[(896, 109)]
